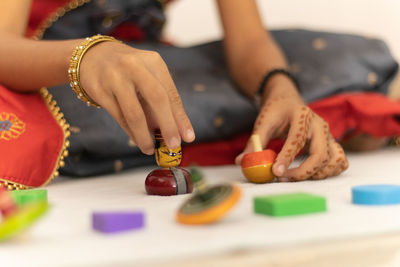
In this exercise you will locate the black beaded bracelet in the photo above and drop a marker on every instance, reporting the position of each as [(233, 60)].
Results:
[(271, 73)]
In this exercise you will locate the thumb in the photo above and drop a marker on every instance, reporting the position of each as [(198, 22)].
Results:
[(279, 168)]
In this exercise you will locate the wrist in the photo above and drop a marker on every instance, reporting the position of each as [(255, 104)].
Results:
[(280, 86), (75, 66)]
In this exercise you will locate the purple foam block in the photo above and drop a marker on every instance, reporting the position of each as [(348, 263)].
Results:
[(110, 222)]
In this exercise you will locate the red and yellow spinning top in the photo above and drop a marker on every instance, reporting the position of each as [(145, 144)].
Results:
[(257, 165)]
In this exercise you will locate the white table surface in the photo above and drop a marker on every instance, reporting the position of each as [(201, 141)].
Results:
[(65, 238)]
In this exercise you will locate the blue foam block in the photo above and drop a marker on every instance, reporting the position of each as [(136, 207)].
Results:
[(379, 194)]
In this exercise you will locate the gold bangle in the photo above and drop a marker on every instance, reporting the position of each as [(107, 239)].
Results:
[(75, 62)]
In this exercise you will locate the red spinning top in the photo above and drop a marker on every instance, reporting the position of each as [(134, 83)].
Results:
[(168, 182)]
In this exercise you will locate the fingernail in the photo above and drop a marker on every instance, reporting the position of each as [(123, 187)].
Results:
[(189, 135), (280, 170), (149, 151), (174, 143), (283, 179), (131, 143)]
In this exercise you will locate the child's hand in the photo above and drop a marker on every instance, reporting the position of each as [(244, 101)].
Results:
[(135, 87), (289, 116)]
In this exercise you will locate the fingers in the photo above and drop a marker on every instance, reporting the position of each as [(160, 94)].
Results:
[(339, 159), (184, 125), (162, 74), (133, 117), (294, 143), (337, 163), (329, 169), (326, 158), (112, 106), (264, 126), (134, 96), (157, 98), (320, 154)]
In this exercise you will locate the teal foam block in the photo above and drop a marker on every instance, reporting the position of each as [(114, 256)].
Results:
[(378, 194)]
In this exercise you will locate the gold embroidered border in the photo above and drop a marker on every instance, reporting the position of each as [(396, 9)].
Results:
[(11, 185), (59, 117), (53, 17)]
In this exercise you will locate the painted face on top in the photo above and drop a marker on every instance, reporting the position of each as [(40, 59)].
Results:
[(165, 157)]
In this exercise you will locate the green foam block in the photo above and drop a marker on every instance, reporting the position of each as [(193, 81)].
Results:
[(23, 197), (289, 204)]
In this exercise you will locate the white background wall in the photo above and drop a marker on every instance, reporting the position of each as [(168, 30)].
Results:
[(195, 21)]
